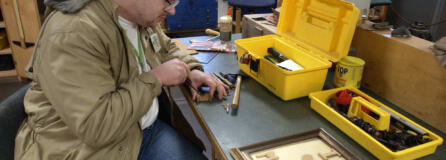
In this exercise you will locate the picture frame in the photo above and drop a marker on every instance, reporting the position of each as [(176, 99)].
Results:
[(330, 148)]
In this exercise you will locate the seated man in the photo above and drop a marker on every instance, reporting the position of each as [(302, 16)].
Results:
[(97, 70)]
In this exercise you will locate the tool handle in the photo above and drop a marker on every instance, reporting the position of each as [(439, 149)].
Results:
[(225, 81), (236, 93), (277, 54), (355, 109), (212, 32)]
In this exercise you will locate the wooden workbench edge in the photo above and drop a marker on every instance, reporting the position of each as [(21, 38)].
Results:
[(203, 124)]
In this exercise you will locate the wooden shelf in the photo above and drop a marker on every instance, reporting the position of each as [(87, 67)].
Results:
[(2, 24), (8, 73), (6, 51)]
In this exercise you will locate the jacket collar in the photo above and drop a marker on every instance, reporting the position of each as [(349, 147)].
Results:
[(66, 6), (72, 6)]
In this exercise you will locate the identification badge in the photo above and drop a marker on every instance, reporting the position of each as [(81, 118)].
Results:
[(155, 42)]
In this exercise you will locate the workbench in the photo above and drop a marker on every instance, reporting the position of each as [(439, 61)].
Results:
[(263, 116)]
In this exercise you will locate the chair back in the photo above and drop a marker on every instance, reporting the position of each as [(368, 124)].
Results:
[(12, 114)]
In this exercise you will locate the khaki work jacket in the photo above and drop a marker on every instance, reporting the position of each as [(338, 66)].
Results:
[(86, 97)]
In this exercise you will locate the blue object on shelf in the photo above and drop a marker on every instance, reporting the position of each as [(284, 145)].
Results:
[(193, 15), (252, 4)]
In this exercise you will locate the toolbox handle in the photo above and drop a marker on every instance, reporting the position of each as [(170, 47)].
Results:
[(317, 21), (355, 109)]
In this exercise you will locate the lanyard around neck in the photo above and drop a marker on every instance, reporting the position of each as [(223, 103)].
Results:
[(139, 52)]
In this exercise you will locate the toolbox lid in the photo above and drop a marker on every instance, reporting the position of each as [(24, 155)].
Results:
[(325, 27)]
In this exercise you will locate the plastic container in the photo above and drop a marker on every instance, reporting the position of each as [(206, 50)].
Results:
[(225, 25), (355, 109), (319, 104), (311, 33), (349, 72)]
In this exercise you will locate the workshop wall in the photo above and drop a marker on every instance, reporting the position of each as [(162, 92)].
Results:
[(193, 15)]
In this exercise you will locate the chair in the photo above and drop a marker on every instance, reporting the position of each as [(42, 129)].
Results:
[(12, 114), (248, 4)]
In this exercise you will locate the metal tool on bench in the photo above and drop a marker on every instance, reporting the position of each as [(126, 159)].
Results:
[(407, 125), (224, 80)]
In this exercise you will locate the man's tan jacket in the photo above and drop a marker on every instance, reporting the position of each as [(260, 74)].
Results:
[(87, 97)]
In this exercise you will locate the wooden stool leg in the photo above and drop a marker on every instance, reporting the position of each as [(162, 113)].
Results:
[(383, 12), (238, 17)]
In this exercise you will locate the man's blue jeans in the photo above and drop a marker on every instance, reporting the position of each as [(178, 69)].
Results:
[(161, 142)]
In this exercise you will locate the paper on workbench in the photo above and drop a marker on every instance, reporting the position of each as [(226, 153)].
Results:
[(290, 65), (213, 46)]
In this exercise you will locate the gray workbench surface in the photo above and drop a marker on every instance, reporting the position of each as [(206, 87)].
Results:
[(263, 116)]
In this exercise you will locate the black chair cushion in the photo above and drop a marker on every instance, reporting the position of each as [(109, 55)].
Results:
[(12, 114)]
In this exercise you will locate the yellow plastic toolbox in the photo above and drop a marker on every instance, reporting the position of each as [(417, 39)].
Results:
[(319, 102), (311, 33)]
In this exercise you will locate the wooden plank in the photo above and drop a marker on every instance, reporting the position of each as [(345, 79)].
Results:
[(29, 14), (6, 51), (217, 152), (21, 58), (183, 47), (405, 72), (10, 20), (8, 73)]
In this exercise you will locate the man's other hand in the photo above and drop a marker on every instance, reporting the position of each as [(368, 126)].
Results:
[(172, 72), (199, 78)]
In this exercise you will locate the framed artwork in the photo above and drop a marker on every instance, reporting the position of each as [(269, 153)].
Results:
[(312, 145)]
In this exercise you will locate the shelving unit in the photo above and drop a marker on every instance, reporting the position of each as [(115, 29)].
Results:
[(6, 51), (22, 24), (8, 73)]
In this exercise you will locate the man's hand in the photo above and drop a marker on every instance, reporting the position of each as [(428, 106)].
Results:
[(199, 78), (172, 72)]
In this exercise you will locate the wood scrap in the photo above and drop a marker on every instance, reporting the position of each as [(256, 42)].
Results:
[(204, 97), (184, 47)]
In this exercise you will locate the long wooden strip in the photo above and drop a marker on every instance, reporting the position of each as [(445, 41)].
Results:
[(235, 101)]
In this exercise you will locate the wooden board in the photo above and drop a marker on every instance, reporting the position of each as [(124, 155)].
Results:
[(6, 50), (10, 20), (405, 72), (29, 15), (8, 73), (21, 58), (184, 47)]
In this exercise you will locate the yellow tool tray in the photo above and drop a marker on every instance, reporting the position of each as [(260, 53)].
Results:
[(311, 33), (319, 102)]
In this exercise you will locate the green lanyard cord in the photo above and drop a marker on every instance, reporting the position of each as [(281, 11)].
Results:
[(139, 53)]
